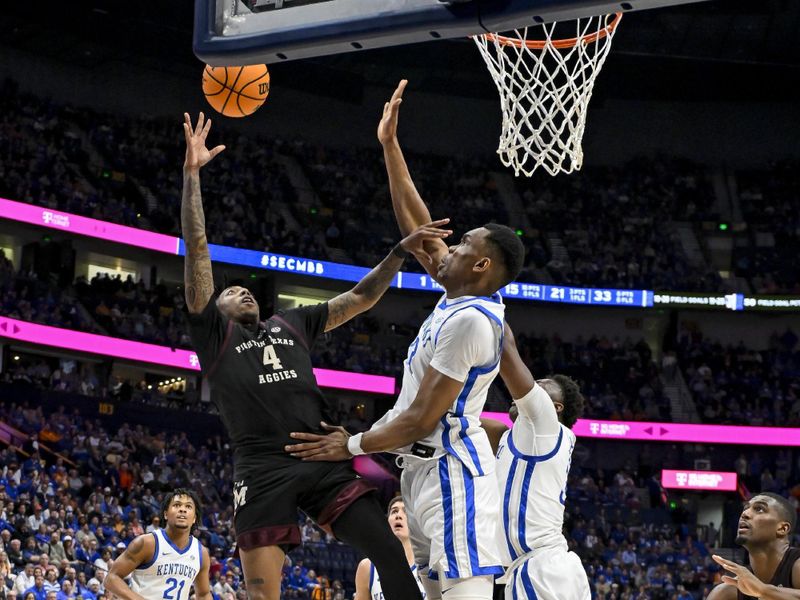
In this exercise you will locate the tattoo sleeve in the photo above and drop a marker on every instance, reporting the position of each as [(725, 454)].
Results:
[(365, 294), (197, 276)]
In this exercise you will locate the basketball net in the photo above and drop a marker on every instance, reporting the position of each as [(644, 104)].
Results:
[(545, 86)]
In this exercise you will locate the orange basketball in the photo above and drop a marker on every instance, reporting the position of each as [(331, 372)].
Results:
[(236, 91)]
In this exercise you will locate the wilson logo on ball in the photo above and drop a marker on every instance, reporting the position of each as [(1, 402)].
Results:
[(236, 91)]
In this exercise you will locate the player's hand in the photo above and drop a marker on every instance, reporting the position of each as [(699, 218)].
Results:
[(415, 242), (743, 578), (387, 128), (315, 447), (197, 155)]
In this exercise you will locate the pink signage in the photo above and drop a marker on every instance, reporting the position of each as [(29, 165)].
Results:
[(346, 380), (54, 219), (678, 432), (698, 480), (162, 355)]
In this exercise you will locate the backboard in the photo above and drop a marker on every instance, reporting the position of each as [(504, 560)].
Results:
[(243, 32)]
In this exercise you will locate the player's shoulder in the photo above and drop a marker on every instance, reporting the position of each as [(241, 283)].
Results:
[(470, 320), (365, 563), (143, 546)]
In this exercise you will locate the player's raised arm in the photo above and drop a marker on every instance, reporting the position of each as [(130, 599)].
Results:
[(369, 290), (409, 208), (138, 552), (197, 277), (516, 375)]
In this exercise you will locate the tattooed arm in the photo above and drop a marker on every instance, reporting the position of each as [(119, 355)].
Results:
[(197, 277), (369, 290), (139, 552)]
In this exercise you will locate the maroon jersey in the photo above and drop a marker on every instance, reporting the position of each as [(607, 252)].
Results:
[(783, 574), (262, 381)]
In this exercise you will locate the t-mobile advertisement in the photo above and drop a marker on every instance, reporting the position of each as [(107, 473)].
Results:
[(698, 480), (678, 432)]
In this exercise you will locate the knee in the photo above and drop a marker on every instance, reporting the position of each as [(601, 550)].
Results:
[(264, 592)]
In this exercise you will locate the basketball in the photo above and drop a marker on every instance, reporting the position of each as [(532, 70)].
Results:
[(236, 91)]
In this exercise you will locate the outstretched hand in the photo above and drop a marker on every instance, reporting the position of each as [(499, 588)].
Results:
[(743, 578), (415, 242), (197, 155), (315, 447), (387, 128)]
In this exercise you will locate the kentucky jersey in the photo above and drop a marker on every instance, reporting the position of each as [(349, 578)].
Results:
[(533, 462), (375, 589), (463, 339), (171, 572)]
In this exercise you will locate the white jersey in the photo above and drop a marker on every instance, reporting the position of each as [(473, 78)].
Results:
[(533, 462), (463, 339), (171, 572), (375, 589)]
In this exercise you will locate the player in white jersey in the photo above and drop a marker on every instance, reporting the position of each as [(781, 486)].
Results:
[(533, 461), (368, 582), (448, 479), (164, 564)]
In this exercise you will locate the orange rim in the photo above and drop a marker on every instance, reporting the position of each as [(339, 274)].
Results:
[(560, 44)]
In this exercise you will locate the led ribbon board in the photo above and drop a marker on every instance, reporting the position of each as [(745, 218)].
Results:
[(677, 432), (92, 343), (131, 236)]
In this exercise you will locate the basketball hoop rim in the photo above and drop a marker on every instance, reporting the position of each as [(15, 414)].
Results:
[(559, 44)]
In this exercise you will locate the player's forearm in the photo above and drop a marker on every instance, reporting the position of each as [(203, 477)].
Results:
[(198, 278), (375, 283), (402, 431), (773, 592), (409, 208), (366, 292), (116, 585)]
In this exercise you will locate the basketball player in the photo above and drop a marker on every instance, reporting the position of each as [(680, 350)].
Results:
[(448, 480), (164, 564), (533, 461), (368, 582), (262, 382), (773, 573)]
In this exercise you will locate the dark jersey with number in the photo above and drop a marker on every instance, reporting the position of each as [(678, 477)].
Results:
[(262, 382), (783, 574)]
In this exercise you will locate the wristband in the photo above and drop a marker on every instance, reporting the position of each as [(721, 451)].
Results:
[(354, 445), (399, 252)]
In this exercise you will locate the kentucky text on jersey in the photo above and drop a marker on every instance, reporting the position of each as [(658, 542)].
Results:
[(177, 569)]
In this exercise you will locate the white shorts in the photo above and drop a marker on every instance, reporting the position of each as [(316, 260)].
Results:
[(453, 517), (548, 575)]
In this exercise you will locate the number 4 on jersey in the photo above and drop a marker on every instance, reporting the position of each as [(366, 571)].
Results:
[(270, 358)]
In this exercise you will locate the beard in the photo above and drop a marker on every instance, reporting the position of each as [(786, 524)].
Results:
[(740, 540)]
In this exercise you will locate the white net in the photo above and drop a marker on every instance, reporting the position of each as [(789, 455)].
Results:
[(545, 86)]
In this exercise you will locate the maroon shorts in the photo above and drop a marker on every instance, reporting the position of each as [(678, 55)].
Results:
[(266, 499)]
